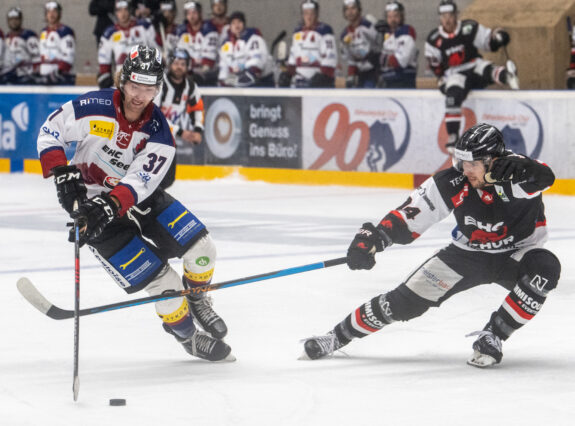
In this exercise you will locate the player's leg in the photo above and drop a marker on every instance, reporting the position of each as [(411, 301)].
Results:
[(449, 271), (136, 264), (491, 73), (534, 276), (455, 93), (178, 233)]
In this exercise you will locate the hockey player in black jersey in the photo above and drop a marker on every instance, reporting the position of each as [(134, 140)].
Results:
[(499, 239), (452, 51)]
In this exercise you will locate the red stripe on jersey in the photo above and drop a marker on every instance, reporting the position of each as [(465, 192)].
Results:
[(517, 309), (52, 158), (362, 324), (541, 223), (398, 215), (125, 197)]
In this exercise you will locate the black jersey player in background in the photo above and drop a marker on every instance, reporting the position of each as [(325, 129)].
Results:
[(499, 239), (452, 51)]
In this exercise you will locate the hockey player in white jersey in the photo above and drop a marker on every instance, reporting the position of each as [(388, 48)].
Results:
[(180, 100), (2, 49), (166, 27), (313, 52), (22, 53), (244, 57), (57, 48), (359, 46), (496, 199), (452, 51), (117, 40), (201, 40), (399, 53), (133, 227), (219, 18)]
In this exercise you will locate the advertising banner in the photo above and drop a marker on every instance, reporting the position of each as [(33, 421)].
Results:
[(253, 131)]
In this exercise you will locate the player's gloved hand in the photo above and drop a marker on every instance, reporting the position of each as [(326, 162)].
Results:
[(499, 38), (284, 79), (509, 168), (368, 241), (93, 215), (69, 186), (105, 80), (246, 79), (382, 26)]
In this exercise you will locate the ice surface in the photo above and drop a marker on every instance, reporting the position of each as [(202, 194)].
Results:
[(409, 374)]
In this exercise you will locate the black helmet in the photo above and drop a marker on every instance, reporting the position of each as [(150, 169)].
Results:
[(237, 15), (144, 66), (481, 142), (447, 6)]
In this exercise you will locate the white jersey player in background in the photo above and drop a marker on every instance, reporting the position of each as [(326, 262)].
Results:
[(313, 52), (180, 100), (399, 53), (124, 150), (22, 53), (219, 18), (201, 40), (244, 57), (166, 26), (117, 40), (359, 46), (57, 48)]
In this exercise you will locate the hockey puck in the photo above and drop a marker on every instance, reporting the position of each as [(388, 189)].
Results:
[(117, 402)]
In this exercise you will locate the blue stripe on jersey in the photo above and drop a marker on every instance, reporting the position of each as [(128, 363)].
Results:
[(158, 128), (95, 103), (52, 148), (320, 28)]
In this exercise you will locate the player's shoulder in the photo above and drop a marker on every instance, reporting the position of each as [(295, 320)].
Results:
[(208, 27), (65, 30), (249, 33), (158, 128), (406, 30), (143, 23), (449, 181), (28, 34), (109, 31), (433, 35), (96, 103), (323, 28), (469, 26), (181, 29)]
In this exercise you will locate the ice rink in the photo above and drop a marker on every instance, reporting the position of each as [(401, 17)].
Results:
[(408, 374)]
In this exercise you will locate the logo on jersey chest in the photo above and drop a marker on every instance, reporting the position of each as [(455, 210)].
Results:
[(103, 129), (488, 236), (123, 139)]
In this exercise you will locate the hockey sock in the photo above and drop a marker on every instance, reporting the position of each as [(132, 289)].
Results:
[(194, 280), (452, 124), (538, 274), (367, 319), (179, 322)]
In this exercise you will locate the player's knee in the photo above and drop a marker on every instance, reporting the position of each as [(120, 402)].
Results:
[(404, 304), (199, 262), (539, 270), (454, 96)]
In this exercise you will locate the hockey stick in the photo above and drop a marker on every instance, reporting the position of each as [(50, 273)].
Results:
[(76, 382), (32, 295), (276, 41)]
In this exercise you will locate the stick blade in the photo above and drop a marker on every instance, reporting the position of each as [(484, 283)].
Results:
[(76, 387), (36, 299)]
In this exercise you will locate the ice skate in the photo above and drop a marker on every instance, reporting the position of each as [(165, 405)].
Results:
[(206, 347), (320, 346), (487, 349), (208, 319), (512, 79)]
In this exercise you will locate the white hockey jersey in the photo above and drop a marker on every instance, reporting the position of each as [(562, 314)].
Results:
[(2, 48), (182, 105), (128, 160), (116, 42), (360, 47), (57, 50), (399, 54), (201, 45), (313, 51), (22, 54), (248, 52)]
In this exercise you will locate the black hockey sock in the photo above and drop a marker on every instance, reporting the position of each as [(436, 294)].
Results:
[(539, 274), (370, 317)]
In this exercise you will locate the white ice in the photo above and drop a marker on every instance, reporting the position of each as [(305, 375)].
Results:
[(408, 374)]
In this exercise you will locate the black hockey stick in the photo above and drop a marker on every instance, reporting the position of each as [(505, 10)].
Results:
[(76, 382), (276, 41), (32, 295)]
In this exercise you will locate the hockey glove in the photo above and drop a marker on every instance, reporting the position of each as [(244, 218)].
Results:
[(105, 80), (246, 79), (499, 39), (69, 186), (321, 80), (368, 241), (509, 168), (93, 215), (284, 79)]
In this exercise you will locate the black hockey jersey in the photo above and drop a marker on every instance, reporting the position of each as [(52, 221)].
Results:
[(501, 217), (457, 51)]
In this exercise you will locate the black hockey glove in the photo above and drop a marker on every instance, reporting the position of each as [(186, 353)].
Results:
[(368, 241), (321, 80), (284, 79), (246, 79), (499, 39), (69, 186), (93, 215), (509, 168)]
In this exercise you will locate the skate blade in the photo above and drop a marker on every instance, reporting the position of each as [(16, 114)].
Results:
[(480, 360), (304, 357), (229, 358)]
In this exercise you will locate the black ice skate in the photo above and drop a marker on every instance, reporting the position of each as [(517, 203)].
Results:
[(208, 319), (487, 349), (321, 346), (206, 347)]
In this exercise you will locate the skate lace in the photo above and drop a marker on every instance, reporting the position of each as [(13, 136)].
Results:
[(202, 344), (203, 309), (328, 343), (489, 338)]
